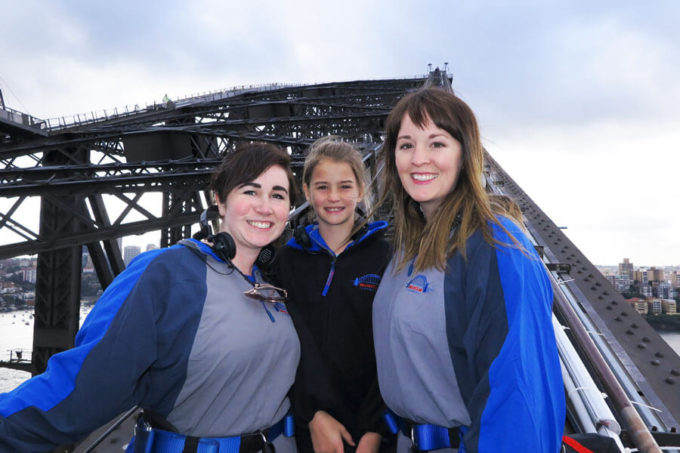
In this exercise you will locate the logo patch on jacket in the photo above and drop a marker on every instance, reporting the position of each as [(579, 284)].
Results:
[(368, 282), (418, 284)]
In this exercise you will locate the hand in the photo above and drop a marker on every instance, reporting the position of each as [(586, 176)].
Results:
[(369, 443), (328, 434)]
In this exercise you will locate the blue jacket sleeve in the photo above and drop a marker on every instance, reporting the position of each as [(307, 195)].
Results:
[(103, 375), (503, 346)]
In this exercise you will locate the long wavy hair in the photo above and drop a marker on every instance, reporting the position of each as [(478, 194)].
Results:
[(467, 208)]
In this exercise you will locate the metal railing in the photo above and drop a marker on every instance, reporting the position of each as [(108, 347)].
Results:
[(81, 119), (18, 117), (634, 410)]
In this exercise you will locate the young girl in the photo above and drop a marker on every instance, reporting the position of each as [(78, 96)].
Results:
[(331, 270), (465, 347)]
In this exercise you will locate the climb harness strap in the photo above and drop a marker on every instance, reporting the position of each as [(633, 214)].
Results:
[(426, 437), (154, 440), (391, 421)]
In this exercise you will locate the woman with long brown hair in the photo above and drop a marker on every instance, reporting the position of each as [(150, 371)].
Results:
[(465, 347)]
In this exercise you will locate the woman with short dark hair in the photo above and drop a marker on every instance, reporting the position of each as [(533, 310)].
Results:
[(192, 334)]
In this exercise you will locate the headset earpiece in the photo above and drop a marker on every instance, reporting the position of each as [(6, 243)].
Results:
[(224, 246), (302, 237), (266, 257)]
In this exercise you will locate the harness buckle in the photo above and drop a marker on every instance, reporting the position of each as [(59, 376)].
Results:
[(267, 446), (144, 436), (414, 445)]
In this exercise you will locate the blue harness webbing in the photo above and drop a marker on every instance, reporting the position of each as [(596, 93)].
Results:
[(154, 440), (392, 421)]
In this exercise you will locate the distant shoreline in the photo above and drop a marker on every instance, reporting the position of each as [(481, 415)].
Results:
[(83, 303), (664, 323)]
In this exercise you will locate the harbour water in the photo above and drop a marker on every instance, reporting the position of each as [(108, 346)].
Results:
[(673, 339), (16, 333)]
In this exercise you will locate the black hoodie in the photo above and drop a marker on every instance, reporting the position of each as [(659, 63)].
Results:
[(330, 299)]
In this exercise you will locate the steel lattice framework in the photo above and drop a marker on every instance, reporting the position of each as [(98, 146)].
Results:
[(94, 177), (80, 170)]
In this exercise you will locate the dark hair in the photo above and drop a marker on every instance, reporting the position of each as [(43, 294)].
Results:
[(245, 164), (430, 241)]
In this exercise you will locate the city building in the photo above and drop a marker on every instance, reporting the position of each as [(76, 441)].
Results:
[(675, 279), (641, 276), (626, 269), (622, 283), (654, 274), (88, 265), (130, 252), (669, 306), (28, 274), (640, 305), (663, 290), (654, 306)]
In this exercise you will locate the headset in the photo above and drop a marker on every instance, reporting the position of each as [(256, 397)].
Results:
[(302, 237), (223, 245)]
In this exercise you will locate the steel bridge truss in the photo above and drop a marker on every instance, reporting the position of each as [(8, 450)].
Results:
[(146, 171)]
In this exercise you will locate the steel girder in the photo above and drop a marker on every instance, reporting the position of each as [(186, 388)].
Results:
[(291, 117), (57, 292), (80, 170)]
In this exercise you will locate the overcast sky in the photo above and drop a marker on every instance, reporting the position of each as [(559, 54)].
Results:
[(578, 100)]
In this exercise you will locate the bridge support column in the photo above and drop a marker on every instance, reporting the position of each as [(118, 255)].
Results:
[(181, 200), (57, 292)]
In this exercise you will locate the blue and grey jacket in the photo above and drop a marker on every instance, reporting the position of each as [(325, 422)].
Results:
[(331, 299), (473, 346), (175, 335)]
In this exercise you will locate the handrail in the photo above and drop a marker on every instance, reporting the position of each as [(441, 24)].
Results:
[(21, 118), (582, 391), (639, 433), (80, 119), (630, 418)]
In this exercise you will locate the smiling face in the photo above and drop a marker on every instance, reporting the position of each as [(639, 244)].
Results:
[(428, 162), (255, 213), (333, 192)]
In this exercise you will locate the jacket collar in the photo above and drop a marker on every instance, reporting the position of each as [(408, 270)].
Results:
[(318, 244)]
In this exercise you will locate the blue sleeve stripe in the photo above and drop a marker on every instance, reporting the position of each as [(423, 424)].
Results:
[(525, 380), (47, 390)]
